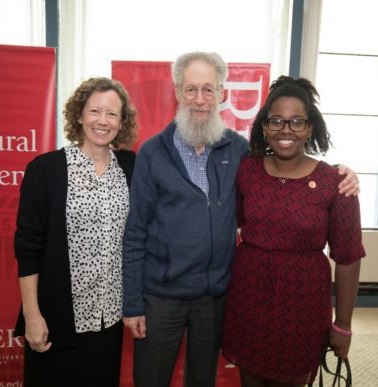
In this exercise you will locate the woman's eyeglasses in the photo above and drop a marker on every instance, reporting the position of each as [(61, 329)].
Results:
[(295, 124)]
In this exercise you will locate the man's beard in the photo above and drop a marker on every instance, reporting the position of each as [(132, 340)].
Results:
[(199, 134)]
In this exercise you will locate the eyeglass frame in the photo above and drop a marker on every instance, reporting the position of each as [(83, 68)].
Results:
[(213, 92), (289, 122)]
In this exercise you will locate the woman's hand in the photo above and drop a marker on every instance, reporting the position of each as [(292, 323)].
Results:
[(340, 344), (36, 333)]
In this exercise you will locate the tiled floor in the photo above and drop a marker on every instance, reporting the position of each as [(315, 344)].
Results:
[(365, 320), (364, 347)]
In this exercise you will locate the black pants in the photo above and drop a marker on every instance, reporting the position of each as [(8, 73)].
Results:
[(167, 320), (95, 362)]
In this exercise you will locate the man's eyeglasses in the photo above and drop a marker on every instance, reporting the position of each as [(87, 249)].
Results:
[(295, 124), (207, 92)]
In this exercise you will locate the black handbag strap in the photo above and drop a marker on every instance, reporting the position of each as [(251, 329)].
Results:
[(342, 376)]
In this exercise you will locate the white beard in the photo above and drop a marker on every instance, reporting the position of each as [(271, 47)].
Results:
[(199, 134)]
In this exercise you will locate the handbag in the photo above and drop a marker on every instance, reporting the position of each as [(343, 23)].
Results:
[(341, 374)]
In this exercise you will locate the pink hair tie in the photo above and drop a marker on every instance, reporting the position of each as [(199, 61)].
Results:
[(341, 331)]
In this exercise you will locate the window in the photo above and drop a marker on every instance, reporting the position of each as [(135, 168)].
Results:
[(22, 22), (347, 81)]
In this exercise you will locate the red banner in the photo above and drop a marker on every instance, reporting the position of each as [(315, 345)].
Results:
[(151, 90), (27, 128), (150, 87)]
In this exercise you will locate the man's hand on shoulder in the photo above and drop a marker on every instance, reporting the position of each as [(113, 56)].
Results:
[(350, 185)]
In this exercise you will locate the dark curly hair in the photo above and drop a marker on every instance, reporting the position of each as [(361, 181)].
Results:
[(303, 89), (127, 135)]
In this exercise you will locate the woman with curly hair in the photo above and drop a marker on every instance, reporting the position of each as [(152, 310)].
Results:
[(278, 313), (72, 212)]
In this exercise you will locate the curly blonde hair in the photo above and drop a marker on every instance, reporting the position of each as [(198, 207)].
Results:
[(127, 135)]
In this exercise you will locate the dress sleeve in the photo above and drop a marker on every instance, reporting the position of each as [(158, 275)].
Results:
[(344, 232)]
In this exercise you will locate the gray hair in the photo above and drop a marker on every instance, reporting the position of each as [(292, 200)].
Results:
[(212, 58)]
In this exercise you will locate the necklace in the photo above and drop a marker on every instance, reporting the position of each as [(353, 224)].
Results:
[(101, 165), (283, 180)]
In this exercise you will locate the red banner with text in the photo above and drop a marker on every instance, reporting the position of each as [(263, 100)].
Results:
[(150, 87), (27, 128), (151, 90)]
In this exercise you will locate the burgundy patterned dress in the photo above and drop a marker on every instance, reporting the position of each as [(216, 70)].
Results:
[(279, 305)]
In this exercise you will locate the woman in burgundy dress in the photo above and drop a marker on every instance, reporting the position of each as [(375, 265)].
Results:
[(278, 313)]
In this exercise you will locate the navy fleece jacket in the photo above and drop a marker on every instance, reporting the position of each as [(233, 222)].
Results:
[(178, 242)]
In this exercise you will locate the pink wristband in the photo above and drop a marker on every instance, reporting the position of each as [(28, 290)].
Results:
[(341, 331)]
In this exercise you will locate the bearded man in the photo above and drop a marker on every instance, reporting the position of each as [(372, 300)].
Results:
[(180, 235)]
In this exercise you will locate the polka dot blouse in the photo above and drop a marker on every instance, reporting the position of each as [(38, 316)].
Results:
[(96, 209)]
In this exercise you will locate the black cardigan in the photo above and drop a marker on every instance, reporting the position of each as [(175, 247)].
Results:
[(41, 244)]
